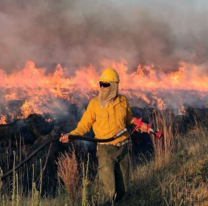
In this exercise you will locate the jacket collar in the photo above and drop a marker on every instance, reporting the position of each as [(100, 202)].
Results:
[(117, 100)]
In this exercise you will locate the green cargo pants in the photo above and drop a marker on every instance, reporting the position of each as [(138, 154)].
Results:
[(113, 170)]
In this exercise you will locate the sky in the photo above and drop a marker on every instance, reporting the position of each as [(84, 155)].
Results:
[(85, 32)]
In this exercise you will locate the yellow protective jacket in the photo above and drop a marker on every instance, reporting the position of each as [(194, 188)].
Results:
[(106, 121)]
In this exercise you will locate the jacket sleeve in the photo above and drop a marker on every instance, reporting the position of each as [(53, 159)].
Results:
[(129, 116), (86, 121)]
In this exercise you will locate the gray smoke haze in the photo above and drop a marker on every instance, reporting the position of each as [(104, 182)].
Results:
[(85, 32)]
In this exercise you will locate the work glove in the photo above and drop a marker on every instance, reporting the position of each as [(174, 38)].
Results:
[(64, 138)]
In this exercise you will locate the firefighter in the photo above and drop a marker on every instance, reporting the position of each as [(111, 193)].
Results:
[(107, 114)]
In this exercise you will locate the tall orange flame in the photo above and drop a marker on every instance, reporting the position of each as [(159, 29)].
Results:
[(35, 88)]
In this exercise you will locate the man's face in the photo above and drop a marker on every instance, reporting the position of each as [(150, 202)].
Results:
[(104, 85)]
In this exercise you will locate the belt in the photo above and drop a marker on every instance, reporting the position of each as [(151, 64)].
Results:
[(117, 144)]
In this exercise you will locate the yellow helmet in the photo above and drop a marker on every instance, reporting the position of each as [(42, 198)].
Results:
[(109, 75)]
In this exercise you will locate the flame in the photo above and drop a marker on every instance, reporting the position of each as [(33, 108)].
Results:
[(3, 119), (39, 91)]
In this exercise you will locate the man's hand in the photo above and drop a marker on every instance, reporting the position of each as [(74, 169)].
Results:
[(64, 138)]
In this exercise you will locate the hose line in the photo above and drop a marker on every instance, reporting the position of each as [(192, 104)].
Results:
[(71, 137)]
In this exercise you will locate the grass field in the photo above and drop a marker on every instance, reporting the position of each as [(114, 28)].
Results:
[(177, 175)]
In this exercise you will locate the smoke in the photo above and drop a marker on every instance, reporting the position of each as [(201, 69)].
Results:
[(77, 33)]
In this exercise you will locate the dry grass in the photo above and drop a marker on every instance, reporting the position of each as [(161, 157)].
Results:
[(177, 176), (68, 173)]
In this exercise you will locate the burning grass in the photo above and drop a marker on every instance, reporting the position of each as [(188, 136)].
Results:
[(34, 89)]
